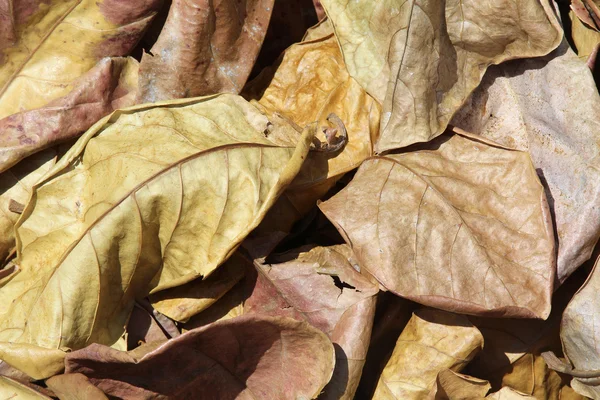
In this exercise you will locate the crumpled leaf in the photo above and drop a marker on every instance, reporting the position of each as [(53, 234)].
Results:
[(15, 186), (111, 84), (580, 335), (540, 106), (422, 58), (182, 302), (142, 327), (204, 48), (459, 224), (320, 286), (585, 39), (507, 393), (74, 387), (309, 84), (152, 197), (250, 357), (432, 341), (57, 41)]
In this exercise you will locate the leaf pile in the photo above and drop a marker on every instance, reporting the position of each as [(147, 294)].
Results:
[(270, 199)]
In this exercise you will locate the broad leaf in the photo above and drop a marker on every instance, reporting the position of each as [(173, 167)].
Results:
[(539, 106), (204, 48), (111, 84), (580, 337), (431, 342), (182, 302), (453, 386), (319, 285), (74, 387), (149, 198), (249, 357), (57, 41), (422, 58), (309, 84), (12, 389), (459, 224)]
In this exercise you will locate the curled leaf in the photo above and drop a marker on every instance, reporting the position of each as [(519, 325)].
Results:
[(459, 224), (431, 342), (249, 357), (422, 58), (204, 48), (320, 286), (149, 198)]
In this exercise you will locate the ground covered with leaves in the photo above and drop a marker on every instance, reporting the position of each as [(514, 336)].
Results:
[(287, 199)]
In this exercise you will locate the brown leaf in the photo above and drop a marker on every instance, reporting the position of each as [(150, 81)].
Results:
[(580, 337), (454, 386), (74, 387), (143, 328), (422, 58), (111, 84), (249, 357), (546, 106), (204, 48), (459, 224), (320, 286), (182, 302), (432, 341), (57, 41)]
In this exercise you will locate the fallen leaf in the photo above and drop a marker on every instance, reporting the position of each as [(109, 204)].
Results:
[(580, 337), (319, 285), (143, 328), (542, 106), (507, 393), (453, 386), (309, 84), (11, 389), (111, 84), (422, 58), (204, 48), (584, 38), (183, 302), (182, 183), (432, 341), (74, 387), (240, 358), (57, 41), (459, 224), (16, 185)]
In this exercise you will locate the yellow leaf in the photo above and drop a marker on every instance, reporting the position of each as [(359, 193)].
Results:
[(422, 58), (149, 198), (56, 41), (432, 341)]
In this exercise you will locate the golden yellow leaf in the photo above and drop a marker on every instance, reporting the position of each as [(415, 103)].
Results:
[(57, 41), (422, 58), (11, 389), (151, 197), (453, 386), (432, 341)]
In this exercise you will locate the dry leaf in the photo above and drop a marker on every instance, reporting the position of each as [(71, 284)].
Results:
[(143, 328), (422, 58), (432, 341), (204, 48), (547, 106), (57, 41), (12, 389), (585, 39), (152, 197), (309, 84), (580, 337), (15, 185), (459, 224), (182, 302), (111, 84), (507, 393), (455, 386), (319, 285), (74, 387), (240, 358)]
